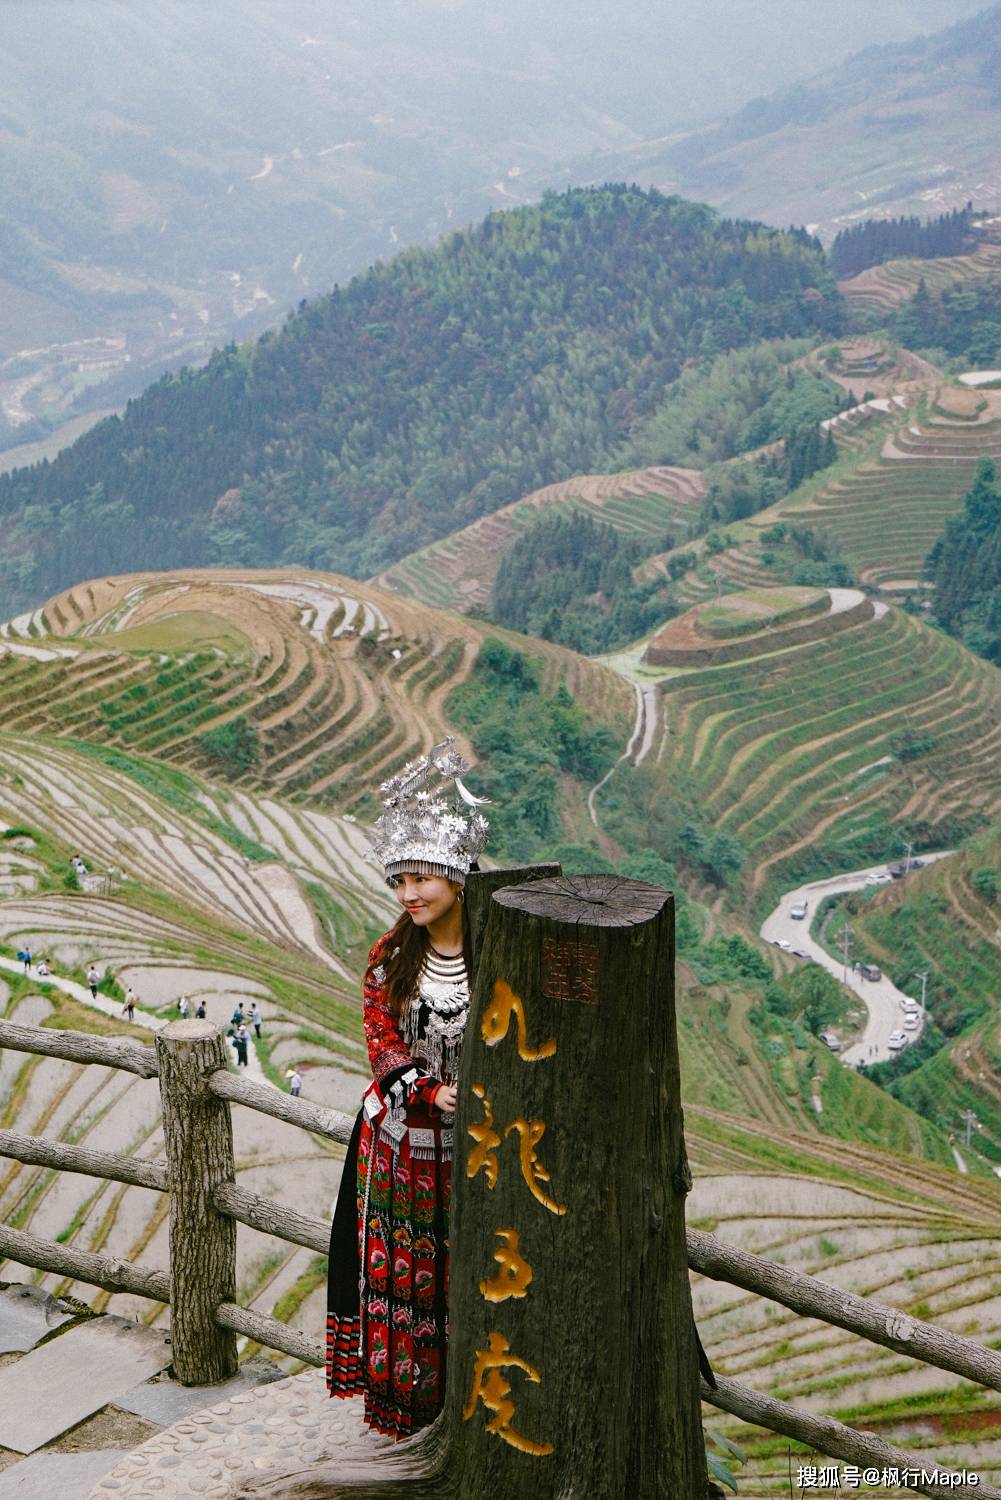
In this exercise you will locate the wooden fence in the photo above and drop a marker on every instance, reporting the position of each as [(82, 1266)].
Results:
[(206, 1204)]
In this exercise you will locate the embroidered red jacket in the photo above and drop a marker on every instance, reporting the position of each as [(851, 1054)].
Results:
[(387, 1051)]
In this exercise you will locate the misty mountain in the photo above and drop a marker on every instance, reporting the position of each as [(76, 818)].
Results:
[(173, 173), (912, 128)]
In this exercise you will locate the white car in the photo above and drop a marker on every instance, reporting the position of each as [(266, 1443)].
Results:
[(896, 1041), (783, 943), (911, 1021), (878, 877), (799, 911)]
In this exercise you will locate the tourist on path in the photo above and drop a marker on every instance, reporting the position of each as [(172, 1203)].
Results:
[(243, 1048), (26, 959), (255, 1019), (236, 1019), (200, 1012), (93, 979), (294, 1083), (183, 1007), (129, 1008), (386, 1314)]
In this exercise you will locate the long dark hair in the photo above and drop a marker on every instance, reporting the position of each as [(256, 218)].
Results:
[(404, 955)]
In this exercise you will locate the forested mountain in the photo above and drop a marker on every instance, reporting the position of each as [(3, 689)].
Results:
[(427, 392), (909, 128), (965, 565)]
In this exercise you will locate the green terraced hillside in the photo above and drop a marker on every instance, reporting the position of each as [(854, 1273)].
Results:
[(458, 571), (787, 752)]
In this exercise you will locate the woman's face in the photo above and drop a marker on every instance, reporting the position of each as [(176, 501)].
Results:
[(426, 897)]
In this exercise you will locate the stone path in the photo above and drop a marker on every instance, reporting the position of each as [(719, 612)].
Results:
[(258, 1434), (112, 1008)]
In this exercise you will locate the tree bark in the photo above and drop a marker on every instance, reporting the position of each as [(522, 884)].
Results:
[(572, 1368), (480, 887), (198, 1135)]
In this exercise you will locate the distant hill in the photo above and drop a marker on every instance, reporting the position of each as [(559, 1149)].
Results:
[(430, 391), (175, 175), (910, 128)]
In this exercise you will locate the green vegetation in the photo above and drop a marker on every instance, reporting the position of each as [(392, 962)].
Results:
[(429, 391), (570, 579), (741, 400), (965, 564), (873, 241), (961, 323), (524, 741), (231, 747)]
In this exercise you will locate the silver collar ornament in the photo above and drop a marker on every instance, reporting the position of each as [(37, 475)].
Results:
[(422, 829)]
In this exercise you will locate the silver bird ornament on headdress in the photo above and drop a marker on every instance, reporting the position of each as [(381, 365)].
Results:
[(421, 830)]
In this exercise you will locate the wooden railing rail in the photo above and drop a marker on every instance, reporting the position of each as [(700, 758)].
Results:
[(270, 1101), (36, 1151), (81, 1265), (271, 1217), (270, 1333), (813, 1298), (826, 1435), (81, 1047)]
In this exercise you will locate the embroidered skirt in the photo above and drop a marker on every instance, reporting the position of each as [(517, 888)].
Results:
[(387, 1318)]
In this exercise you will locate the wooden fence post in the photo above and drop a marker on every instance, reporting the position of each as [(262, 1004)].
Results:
[(198, 1134), (572, 1365)]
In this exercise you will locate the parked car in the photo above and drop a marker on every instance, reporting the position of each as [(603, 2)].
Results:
[(782, 943), (802, 953), (799, 911), (878, 877), (870, 971), (830, 1040), (911, 1021), (897, 1040)]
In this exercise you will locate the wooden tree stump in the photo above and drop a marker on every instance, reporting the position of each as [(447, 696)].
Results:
[(572, 1368), (198, 1135)]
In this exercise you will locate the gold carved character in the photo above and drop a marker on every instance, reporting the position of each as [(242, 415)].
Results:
[(494, 1389), (515, 1273), (483, 1156), (504, 1004), (530, 1133)]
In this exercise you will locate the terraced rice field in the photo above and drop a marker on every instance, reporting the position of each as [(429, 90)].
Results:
[(778, 750), (458, 571), (914, 1238), (885, 514), (336, 684), (170, 905), (882, 288)]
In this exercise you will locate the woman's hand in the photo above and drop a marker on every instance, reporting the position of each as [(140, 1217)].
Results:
[(445, 1098)]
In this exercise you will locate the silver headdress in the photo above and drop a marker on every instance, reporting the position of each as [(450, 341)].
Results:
[(422, 830)]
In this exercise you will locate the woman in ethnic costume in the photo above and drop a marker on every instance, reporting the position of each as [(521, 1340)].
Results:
[(387, 1320)]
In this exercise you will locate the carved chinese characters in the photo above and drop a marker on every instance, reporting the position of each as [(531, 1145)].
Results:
[(491, 1387)]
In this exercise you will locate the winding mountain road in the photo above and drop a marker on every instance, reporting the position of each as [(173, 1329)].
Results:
[(881, 999), (640, 741)]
